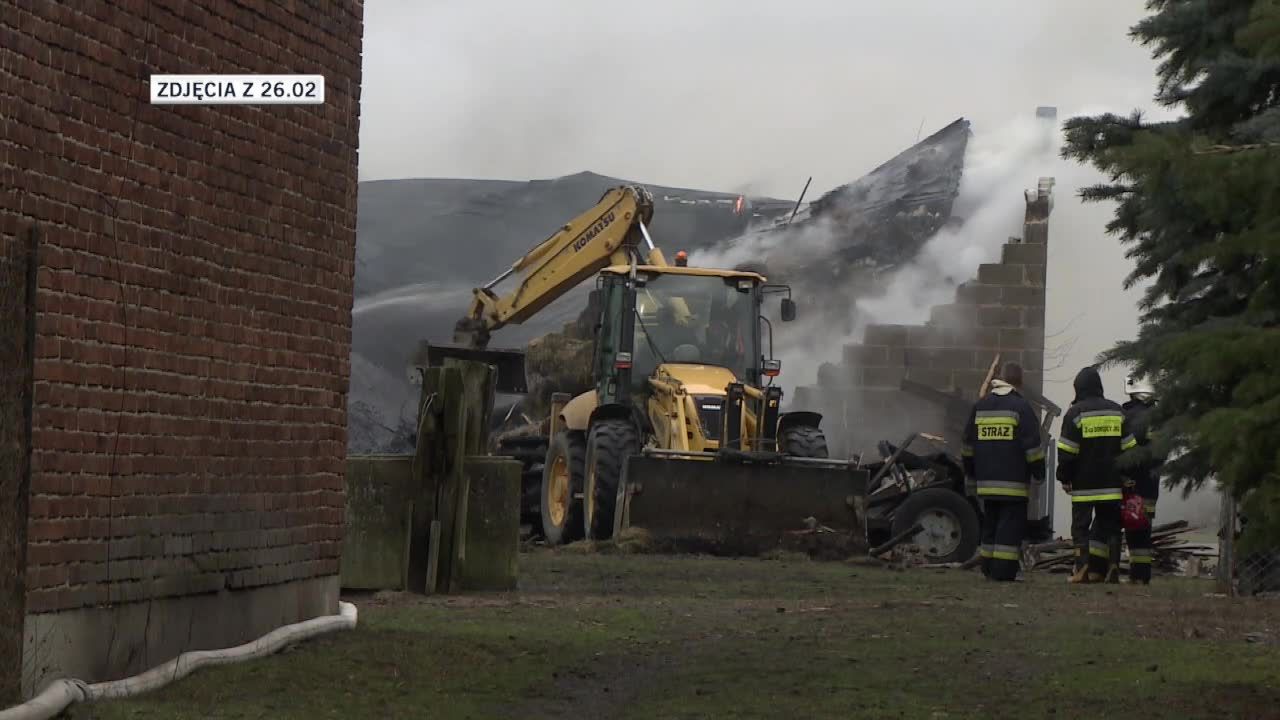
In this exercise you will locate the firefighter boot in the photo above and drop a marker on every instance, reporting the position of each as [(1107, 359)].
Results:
[(1081, 573)]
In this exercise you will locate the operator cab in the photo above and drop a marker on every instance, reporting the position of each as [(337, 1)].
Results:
[(685, 316)]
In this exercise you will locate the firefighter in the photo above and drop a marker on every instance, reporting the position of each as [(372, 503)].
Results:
[(1143, 474), (1002, 454), (1093, 437)]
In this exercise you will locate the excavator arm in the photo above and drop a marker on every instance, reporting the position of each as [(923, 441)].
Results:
[(610, 233)]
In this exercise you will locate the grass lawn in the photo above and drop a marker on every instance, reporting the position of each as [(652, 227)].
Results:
[(638, 636)]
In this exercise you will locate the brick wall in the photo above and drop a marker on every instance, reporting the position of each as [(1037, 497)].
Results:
[(16, 326), (1000, 311), (194, 300)]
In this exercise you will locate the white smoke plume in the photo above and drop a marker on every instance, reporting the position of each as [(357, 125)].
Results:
[(1001, 164)]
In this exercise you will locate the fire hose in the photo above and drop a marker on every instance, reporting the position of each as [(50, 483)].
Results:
[(62, 693)]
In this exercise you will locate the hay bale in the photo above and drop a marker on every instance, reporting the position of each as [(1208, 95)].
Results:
[(556, 362)]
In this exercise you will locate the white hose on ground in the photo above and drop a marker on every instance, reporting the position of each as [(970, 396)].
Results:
[(60, 694)]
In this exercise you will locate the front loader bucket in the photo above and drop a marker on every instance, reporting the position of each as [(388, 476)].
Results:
[(507, 364), (704, 503)]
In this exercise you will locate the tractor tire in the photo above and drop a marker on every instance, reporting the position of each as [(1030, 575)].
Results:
[(951, 529), (804, 441), (562, 475), (609, 444)]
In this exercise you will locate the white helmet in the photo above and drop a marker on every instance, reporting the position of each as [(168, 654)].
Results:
[(1135, 386)]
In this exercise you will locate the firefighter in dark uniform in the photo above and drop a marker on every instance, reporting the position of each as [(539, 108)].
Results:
[(1092, 439), (1002, 454), (1142, 470)]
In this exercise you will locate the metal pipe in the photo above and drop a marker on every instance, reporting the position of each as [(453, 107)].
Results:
[(500, 278), (786, 459), (645, 232), (894, 541), (799, 200)]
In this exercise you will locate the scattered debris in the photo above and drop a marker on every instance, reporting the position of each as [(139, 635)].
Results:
[(1172, 556)]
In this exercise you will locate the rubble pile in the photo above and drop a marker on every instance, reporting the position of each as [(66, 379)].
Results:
[(1173, 555)]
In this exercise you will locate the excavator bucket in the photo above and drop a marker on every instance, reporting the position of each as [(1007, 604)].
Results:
[(742, 506), (508, 364)]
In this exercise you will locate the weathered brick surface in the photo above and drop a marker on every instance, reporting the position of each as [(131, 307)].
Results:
[(1024, 253), (975, 293), (1000, 274), (194, 304)]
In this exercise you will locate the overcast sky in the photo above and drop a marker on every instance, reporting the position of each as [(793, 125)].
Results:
[(719, 93), (755, 96)]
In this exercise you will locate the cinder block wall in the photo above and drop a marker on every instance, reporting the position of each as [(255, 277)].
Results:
[(193, 324), (1000, 311)]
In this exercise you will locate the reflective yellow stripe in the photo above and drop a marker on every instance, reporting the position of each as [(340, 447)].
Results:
[(966, 450), (1104, 424), (1140, 556), (1128, 443), (985, 551), (1099, 549), (1097, 498), (1003, 491), (1068, 447), (1035, 454), (997, 428), (1005, 552)]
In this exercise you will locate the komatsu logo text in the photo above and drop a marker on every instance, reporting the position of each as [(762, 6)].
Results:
[(593, 231)]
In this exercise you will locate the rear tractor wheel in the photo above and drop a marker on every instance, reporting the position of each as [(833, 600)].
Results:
[(609, 444), (804, 441), (561, 480)]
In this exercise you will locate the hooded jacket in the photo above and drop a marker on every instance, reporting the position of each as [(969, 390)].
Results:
[(1002, 446), (1093, 437)]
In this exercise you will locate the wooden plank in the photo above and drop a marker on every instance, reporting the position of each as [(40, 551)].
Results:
[(478, 383), (492, 540), (374, 543), (448, 495), (460, 534), (424, 481), (433, 559), (991, 373)]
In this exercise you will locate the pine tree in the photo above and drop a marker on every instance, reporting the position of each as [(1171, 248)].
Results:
[(1198, 209)]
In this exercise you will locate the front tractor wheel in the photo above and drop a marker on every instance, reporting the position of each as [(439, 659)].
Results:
[(561, 479), (609, 444), (950, 529), (804, 441)]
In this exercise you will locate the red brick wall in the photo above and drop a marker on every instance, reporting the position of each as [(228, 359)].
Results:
[(1000, 312), (194, 300)]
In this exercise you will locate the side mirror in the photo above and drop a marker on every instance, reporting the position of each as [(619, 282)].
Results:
[(788, 310), (772, 368)]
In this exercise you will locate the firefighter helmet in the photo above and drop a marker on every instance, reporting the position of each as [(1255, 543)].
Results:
[(1135, 386)]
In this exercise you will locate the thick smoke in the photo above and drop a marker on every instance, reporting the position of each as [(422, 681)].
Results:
[(1000, 164), (1088, 309)]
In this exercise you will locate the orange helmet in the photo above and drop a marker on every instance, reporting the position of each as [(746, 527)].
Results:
[(682, 259)]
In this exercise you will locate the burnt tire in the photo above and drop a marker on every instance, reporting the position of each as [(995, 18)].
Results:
[(609, 444), (951, 532), (804, 441), (562, 516)]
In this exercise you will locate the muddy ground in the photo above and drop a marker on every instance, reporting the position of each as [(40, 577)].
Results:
[(640, 636)]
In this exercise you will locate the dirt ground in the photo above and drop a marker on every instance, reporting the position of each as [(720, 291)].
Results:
[(640, 636)]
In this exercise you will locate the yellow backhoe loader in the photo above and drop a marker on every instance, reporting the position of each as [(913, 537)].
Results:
[(683, 433)]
